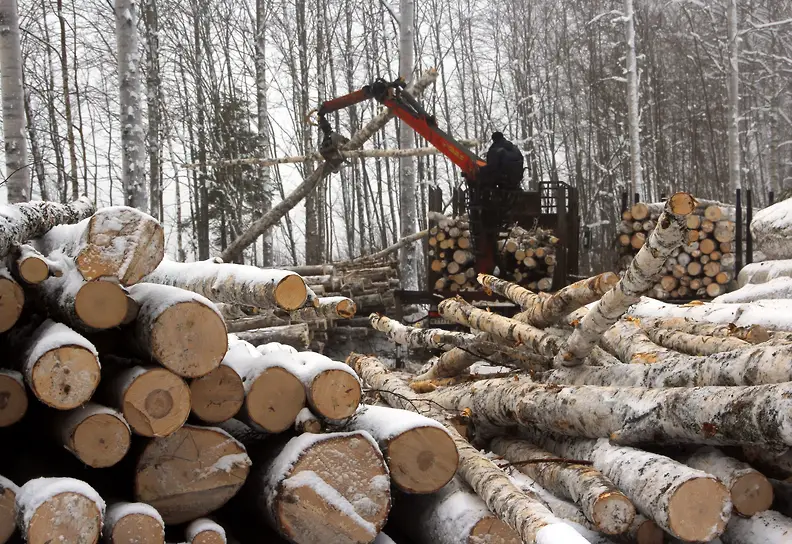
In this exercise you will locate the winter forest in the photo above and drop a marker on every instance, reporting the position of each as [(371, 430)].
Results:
[(235, 79)]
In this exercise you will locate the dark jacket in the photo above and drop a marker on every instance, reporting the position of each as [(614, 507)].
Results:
[(506, 161)]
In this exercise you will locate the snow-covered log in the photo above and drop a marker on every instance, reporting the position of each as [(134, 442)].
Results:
[(131, 522), (693, 344), (529, 518), (627, 341), (332, 389), (764, 271), (599, 500), (754, 334), (324, 488), (14, 395), (421, 455), (190, 473), (777, 288), (8, 513), (59, 510), (329, 308), (217, 396), (703, 415), (98, 436), (772, 229), (116, 242), (297, 335), (60, 366), (750, 490), (667, 236), (234, 283), (453, 515), (688, 503), (766, 527), (32, 266), (771, 314), (12, 300), (25, 221), (205, 531), (181, 330), (153, 400)]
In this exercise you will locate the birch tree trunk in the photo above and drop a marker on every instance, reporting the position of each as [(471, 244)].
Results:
[(153, 102), (633, 111), (262, 114), (17, 171), (132, 137), (734, 97)]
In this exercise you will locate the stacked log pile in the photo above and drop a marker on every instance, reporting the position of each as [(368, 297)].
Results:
[(451, 258), (129, 412), (699, 269), (621, 427), (529, 257)]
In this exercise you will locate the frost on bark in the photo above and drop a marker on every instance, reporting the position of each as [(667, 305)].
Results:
[(599, 500), (688, 503), (777, 288), (133, 148), (522, 512), (769, 314), (630, 415), (271, 218), (17, 171), (639, 278), (627, 341), (633, 111)]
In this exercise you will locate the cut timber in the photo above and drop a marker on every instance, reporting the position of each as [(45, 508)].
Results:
[(777, 288), (724, 231), (325, 488), (61, 367), (766, 527), (12, 299), (453, 515), (627, 341), (22, 222), (755, 334), (638, 240), (715, 290), (332, 389), (524, 513), (96, 435), (462, 256), (116, 242), (190, 473), (331, 308), (59, 510), (421, 456), (599, 500), (153, 400), (33, 267), (750, 490), (771, 230), (217, 396), (13, 398), (639, 211), (296, 335), (182, 331), (707, 246), (694, 344), (693, 222), (133, 523), (205, 531), (234, 283), (688, 503), (516, 293), (763, 272), (8, 513), (772, 463), (642, 531), (639, 278), (713, 213)]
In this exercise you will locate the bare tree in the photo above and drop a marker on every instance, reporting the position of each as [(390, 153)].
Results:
[(64, 58), (262, 114), (408, 255), (734, 98), (153, 100), (633, 112)]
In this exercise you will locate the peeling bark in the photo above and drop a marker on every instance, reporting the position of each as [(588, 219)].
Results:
[(693, 344), (754, 334), (627, 341)]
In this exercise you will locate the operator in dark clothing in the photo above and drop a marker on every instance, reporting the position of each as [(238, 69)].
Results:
[(504, 163)]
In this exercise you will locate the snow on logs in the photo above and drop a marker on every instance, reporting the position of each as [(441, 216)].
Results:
[(98, 436), (205, 531), (133, 522), (772, 228), (332, 390), (296, 335), (33, 267), (234, 283)]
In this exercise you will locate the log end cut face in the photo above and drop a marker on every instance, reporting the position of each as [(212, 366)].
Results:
[(101, 304), (156, 403), (613, 513), (190, 339), (65, 517), (190, 473), (274, 400), (346, 309), (422, 459), (335, 394), (338, 491), (752, 493), (291, 292), (217, 396), (649, 533), (33, 270), (13, 400), (208, 537), (65, 377), (101, 440), (699, 510), (682, 203), (7, 513), (12, 299), (492, 530), (137, 529)]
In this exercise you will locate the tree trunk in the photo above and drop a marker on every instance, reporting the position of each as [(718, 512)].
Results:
[(153, 104), (263, 125), (8, 513), (12, 300), (770, 527), (328, 307), (12, 389), (734, 97), (17, 170), (633, 109), (296, 335), (129, 522), (96, 435), (33, 267), (133, 148), (67, 110)]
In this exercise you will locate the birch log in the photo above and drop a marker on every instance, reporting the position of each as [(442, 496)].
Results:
[(333, 391), (217, 396), (14, 397), (329, 308), (96, 435), (205, 531), (26, 221), (599, 500), (695, 344), (8, 513), (639, 278), (234, 283), (627, 341), (773, 463), (766, 527), (33, 267), (133, 523), (754, 334), (12, 300), (522, 512), (297, 335), (688, 503)]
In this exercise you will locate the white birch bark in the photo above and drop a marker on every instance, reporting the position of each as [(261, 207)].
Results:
[(627, 341), (766, 527), (763, 272), (633, 111), (17, 170), (770, 314), (133, 149), (755, 334), (694, 344), (734, 97), (777, 288)]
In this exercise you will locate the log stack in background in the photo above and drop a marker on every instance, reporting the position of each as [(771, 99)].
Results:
[(450, 256), (529, 257), (700, 269)]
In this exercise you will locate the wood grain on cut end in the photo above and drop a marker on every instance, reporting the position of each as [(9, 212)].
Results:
[(695, 512), (12, 299), (492, 530), (156, 403), (7, 513), (137, 529), (189, 338), (100, 440), (613, 513), (190, 473), (274, 400), (649, 533), (13, 398), (217, 396), (751, 493), (101, 304), (82, 524), (33, 269), (65, 377), (346, 309), (682, 203), (335, 394), (755, 334), (422, 459), (291, 292)]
